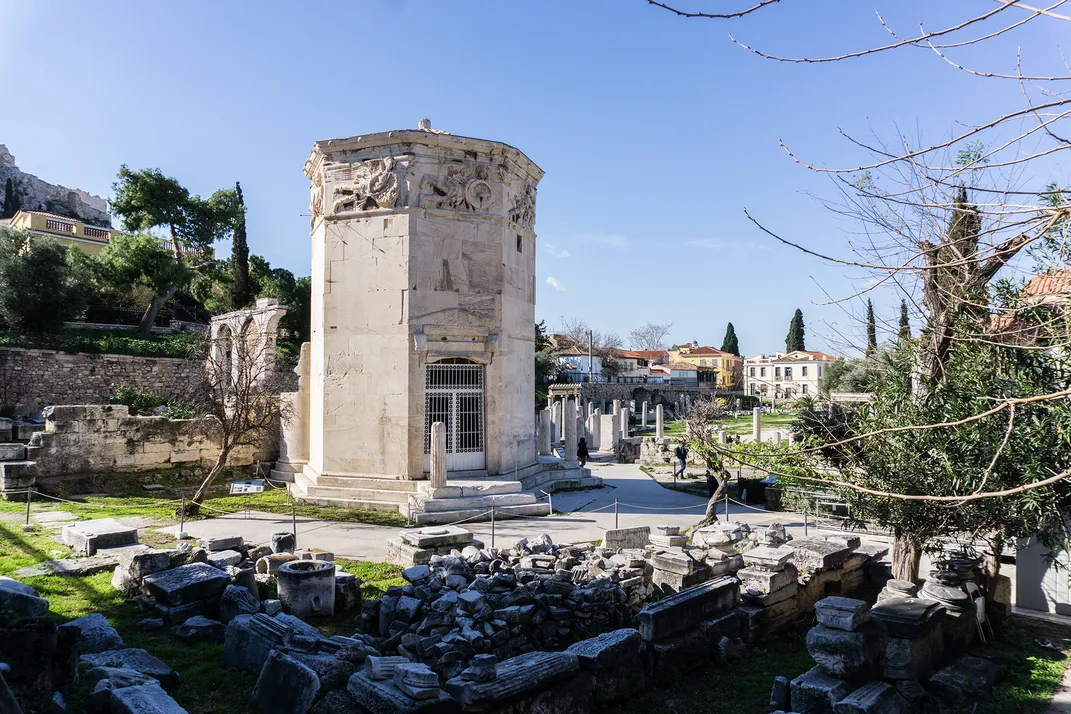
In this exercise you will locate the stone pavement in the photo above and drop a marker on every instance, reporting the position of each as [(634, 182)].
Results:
[(641, 502)]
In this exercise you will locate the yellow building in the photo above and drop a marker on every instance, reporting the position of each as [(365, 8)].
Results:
[(730, 368), (66, 231)]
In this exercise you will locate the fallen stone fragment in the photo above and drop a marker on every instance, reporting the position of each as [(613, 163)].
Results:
[(20, 599), (285, 685), (200, 629), (332, 671), (382, 697), (842, 613), (815, 692), (214, 545), (144, 699), (186, 584), (379, 668), (517, 678), (779, 693), (283, 542), (97, 634), (132, 658), (966, 678), (271, 607), (847, 655), (148, 624), (873, 698), (236, 601)]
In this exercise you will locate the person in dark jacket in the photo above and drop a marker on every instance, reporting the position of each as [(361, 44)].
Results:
[(582, 451), (681, 452)]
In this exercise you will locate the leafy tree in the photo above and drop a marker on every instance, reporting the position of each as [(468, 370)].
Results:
[(905, 324), (12, 199), (38, 289), (139, 260), (546, 364), (730, 344), (795, 339), (147, 200), (241, 293), (871, 329), (650, 336)]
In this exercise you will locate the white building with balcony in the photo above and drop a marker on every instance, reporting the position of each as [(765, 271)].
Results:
[(785, 375)]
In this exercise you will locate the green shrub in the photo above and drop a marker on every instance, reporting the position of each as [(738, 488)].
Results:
[(180, 409), (140, 402)]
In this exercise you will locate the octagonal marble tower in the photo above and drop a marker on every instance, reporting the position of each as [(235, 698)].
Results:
[(423, 306)]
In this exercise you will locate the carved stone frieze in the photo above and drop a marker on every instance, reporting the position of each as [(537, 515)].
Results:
[(372, 184), (463, 187), (522, 210), (316, 198)]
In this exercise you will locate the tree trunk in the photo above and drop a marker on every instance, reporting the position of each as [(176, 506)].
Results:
[(906, 554), (157, 302), (711, 515), (194, 506)]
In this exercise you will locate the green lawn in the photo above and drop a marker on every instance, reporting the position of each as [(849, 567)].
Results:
[(206, 686)]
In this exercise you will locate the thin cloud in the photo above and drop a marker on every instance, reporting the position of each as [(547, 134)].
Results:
[(556, 251), (719, 244), (608, 239), (557, 284)]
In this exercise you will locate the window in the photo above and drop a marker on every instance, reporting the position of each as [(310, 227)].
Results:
[(519, 242), (762, 371), (788, 374), (702, 363), (804, 370), (751, 371), (804, 386), (819, 370), (777, 373)]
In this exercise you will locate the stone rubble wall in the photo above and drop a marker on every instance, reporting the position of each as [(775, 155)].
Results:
[(34, 379), (101, 439)]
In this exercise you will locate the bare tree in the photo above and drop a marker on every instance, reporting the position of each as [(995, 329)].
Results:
[(942, 222), (650, 337), (238, 395), (701, 428)]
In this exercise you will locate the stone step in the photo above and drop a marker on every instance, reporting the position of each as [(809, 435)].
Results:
[(12, 452), (491, 487), (359, 494), (354, 503), (476, 503), (532, 509), (282, 476), (473, 474), (373, 484)]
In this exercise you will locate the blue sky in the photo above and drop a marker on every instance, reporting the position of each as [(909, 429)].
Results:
[(655, 132)]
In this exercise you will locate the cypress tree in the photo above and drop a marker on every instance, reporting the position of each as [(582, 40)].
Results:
[(905, 326), (241, 290), (730, 344), (795, 339), (12, 204), (871, 329)]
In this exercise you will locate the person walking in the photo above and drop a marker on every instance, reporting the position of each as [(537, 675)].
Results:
[(582, 451), (681, 452)]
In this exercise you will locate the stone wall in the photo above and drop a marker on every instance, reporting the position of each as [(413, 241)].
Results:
[(101, 439), (34, 379)]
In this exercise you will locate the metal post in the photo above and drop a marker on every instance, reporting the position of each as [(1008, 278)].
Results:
[(492, 525), (182, 518), (293, 521), (615, 513), (408, 514), (29, 497), (726, 507), (805, 522), (550, 502)]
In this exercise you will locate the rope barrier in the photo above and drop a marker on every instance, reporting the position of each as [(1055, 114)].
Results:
[(753, 508), (674, 508)]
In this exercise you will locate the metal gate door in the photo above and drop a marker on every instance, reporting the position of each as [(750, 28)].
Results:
[(453, 394)]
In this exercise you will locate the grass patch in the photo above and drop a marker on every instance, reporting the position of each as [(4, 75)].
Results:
[(115, 342), (206, 687), (1031, 672), (123, 495)]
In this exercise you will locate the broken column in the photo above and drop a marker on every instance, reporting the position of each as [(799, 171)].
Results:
[(569, 430), (643, 415), (438, 455), (596, 429), (624, 419), (660, 422), (555, 422), (544, 432), (756, 424)]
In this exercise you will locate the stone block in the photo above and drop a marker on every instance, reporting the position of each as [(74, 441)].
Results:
[(237, 600), (134, 565), (131, 658), (811, 554), (694, 647), (325, 556), (917, 658), (223, 558), (283, 542), (626, 537), (966, 678), (767, 581), (177, 614), (766, 558), (615, 660), (517, 678), (21, 599), (97, 634), (285, 685), (873, 698), (269, 564), (338, 701), (247, 641), (186, 584), (842, 613), (678, 612), (667, 530), (815, 692), (332, 671), (670, 582), (669, 541), (678, 563), (908, 618), (87, 537), (437, 536), (723, 535), (143, 699), (218, 543), (382, 697), (848, 655), (779, 693), (200, 629), (850, 542)]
